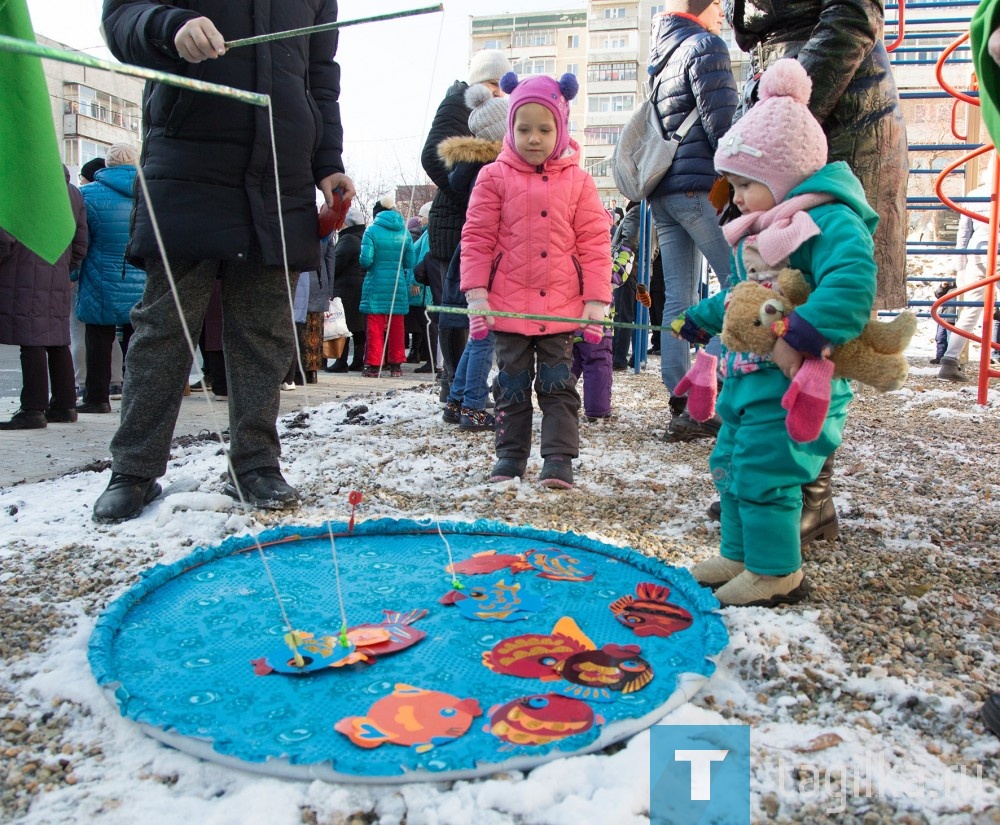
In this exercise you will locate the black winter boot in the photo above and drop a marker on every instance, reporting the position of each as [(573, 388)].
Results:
[(358, 359), (819, 516)]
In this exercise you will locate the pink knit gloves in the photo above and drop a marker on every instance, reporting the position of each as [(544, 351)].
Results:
[(479, 325), (594, 311), (701, 385), (807, 399)]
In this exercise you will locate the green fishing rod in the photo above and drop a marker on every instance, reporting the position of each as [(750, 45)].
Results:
[(325, 27), (527, 316)]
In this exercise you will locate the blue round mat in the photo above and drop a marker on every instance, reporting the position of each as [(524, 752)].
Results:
[(175, 651)]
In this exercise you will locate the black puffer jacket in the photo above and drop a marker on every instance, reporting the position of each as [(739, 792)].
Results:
[(854, 96), (207, 159), (349, 276), (693, 68), (448, 209)]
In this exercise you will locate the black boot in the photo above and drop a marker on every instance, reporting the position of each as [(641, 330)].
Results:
[(124, 498), (819, 516), (358, 361)]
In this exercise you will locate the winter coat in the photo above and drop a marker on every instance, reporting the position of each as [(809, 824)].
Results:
[(693, 69), (387, 254), (449, 205), (536, 238), (321, 280), (837, 264), (207, 159), (349, 276), (34, 294), (109, 287), (421, 245), (854, 97), (464, 157)]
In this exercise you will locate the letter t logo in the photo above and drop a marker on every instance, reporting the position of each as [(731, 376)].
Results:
[(701, 770)]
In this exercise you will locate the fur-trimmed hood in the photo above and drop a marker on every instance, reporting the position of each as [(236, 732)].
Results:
[(463, 149)]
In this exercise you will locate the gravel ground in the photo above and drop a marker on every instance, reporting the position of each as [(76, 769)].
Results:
[(907, 601)]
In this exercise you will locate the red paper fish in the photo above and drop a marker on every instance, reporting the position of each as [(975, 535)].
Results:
[(411, 716), (648, 613), (535, 655), (540, 719), (489, 561), (393, 633)]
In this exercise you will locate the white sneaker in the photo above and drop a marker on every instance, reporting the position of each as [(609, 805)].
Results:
[(287, 385)]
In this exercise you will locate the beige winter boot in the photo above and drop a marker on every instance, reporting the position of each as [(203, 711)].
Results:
[(753, 590), (951, 370), (716, 571)]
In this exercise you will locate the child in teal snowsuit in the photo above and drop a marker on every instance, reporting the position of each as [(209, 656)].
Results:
[(798, 211)]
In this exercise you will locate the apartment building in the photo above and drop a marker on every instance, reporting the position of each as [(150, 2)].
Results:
[(92, 108)]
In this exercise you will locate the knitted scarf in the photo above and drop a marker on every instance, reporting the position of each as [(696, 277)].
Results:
[(781, 229)]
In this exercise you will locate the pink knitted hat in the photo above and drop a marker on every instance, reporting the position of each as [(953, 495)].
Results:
[(553, 95), (778, 142)]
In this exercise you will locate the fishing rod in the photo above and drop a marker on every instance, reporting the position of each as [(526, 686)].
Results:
[(526, 316), (325, 27)]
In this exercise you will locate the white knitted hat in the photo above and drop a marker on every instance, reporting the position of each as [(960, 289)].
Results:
[(488, 64)]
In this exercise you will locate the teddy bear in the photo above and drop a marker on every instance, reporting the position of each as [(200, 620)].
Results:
[(755, 311)]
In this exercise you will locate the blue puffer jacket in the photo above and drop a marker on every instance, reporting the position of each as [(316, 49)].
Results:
[(109, 287), (693, 67), (387, 254), (420, 248)]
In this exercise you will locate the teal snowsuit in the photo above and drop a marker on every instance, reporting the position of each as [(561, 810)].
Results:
[(757, 468), (387, 254)]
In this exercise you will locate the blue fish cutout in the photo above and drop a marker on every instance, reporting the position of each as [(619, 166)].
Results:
[(501, 601)]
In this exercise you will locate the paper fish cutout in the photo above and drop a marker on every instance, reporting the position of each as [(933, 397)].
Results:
[(390, 636), (535, 655), (559, 567), (593, 674), (540, 719), (501, 601), (648, 613), (317, 654), (489, 561), (411, 716)]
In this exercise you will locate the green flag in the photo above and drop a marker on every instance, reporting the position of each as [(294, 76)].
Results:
[(984, 21), (34, 202)]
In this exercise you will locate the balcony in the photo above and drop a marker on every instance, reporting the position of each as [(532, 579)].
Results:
[(604, 24)]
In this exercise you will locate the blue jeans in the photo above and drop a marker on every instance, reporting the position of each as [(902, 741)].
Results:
[(470, 385), (687, 227)]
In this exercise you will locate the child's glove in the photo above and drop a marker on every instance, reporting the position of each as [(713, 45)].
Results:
[(594, 311), (479, 325), (807, 399), (687, 329), (701, 385)]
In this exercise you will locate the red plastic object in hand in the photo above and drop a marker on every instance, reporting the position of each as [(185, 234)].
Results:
[(333, 219)]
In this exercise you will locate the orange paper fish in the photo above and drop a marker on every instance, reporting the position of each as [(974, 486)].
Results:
[(648, 613)]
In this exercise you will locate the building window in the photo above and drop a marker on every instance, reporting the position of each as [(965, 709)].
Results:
[(101, 106), (496, 45), (614, 14), (529, 66), (572, 127), (600, 104), (573, 68), (655, 10), (600, 167), (573, 41), (611, 71), (602, 135), (612, 40), (534, 38)]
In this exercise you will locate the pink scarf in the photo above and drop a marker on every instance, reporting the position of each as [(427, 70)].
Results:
[(781, 229)]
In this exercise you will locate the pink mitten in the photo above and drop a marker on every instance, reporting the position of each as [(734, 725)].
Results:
[(701, 385), (594, 311), (479, 325), (807, 399)]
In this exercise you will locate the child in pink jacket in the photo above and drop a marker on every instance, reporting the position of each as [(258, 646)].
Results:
[(536, 241)]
